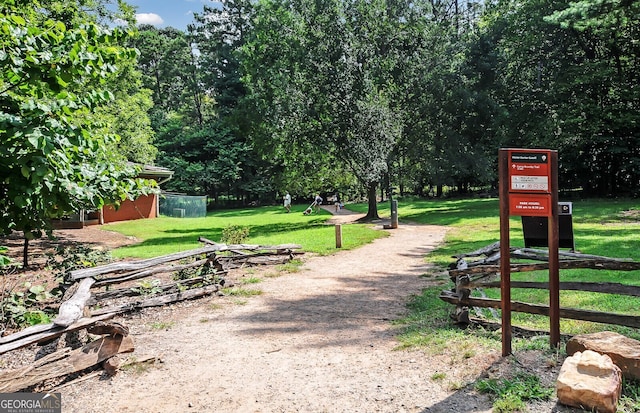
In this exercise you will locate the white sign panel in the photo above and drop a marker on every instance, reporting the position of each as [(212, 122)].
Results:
[(529, 183)]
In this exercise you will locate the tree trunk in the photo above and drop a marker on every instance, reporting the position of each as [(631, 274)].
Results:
[(372, 212)]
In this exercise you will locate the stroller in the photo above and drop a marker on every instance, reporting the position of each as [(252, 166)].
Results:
[(316, 203), (309, 209)]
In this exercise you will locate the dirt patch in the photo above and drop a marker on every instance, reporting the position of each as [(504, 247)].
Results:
[(319, 340)]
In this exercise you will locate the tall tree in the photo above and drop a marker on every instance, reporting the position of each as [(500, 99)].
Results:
[(328, 83), (568, 72), (52, 161), (127, 115)]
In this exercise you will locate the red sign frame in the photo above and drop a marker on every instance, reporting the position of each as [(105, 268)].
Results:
[(529, 182)]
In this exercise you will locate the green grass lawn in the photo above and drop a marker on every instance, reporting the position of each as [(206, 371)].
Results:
[(267, 226)]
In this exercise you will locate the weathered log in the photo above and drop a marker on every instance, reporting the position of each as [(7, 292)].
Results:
[(38, 328), (146, 273), (495, 247), (46, 332), (487, 250), (247, 247), (462, 315), (492, 253), (235, 254), (140, 264), (564, 265), (111, 365), (72, 310), (64, 362), (110, 328), (493, 258), (567, 254), (129, 292), (151, 262), (573, 314), (237, 262), (139, 360), (609, 288), (158, 301)]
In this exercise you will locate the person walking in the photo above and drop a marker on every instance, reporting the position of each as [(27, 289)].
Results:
[(317, 203), (336, 202), (287, 202)]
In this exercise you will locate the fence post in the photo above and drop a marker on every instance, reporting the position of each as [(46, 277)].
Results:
[(338, 235)]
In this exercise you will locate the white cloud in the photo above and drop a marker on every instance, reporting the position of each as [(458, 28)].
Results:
[(149, 18)]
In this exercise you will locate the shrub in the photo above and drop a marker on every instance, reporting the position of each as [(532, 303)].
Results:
[(234, 234)]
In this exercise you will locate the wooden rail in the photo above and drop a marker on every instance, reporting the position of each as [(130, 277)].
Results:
[(481, 273)]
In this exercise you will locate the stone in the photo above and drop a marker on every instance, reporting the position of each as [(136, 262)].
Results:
[(624, 351), (590, 381)]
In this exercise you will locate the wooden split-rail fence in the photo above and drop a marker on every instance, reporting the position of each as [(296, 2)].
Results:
[(480, 273), (200, 273)]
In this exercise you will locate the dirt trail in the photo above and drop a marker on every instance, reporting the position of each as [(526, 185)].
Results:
[(319, 340)]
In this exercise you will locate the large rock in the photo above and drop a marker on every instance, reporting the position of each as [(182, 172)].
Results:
[(590, 381), (624, 351)]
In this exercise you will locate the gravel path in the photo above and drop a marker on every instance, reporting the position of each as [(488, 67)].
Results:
[(319, 340)]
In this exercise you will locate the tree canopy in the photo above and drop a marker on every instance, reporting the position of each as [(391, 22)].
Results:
[(259, 97), (55, 157)]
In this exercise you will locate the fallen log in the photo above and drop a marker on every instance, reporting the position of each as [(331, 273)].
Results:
[(140, 264), (76, 381), (129, 292), (517, 331), (158, 301), (488, 250), (135, 275), (111, 328), (140, 360), (72, 310), (45, 332), (240, 261), (64, 362), (248, 247)]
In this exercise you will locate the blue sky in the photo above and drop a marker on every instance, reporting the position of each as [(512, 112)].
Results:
[(164, 13)]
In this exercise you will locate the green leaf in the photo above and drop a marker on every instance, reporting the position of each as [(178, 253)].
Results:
[(17, 19)]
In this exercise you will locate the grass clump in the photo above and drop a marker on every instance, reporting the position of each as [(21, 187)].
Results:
[(250, 280), (630, 399), (162, 325), (241, 292), (438, 376), (511, 394)]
